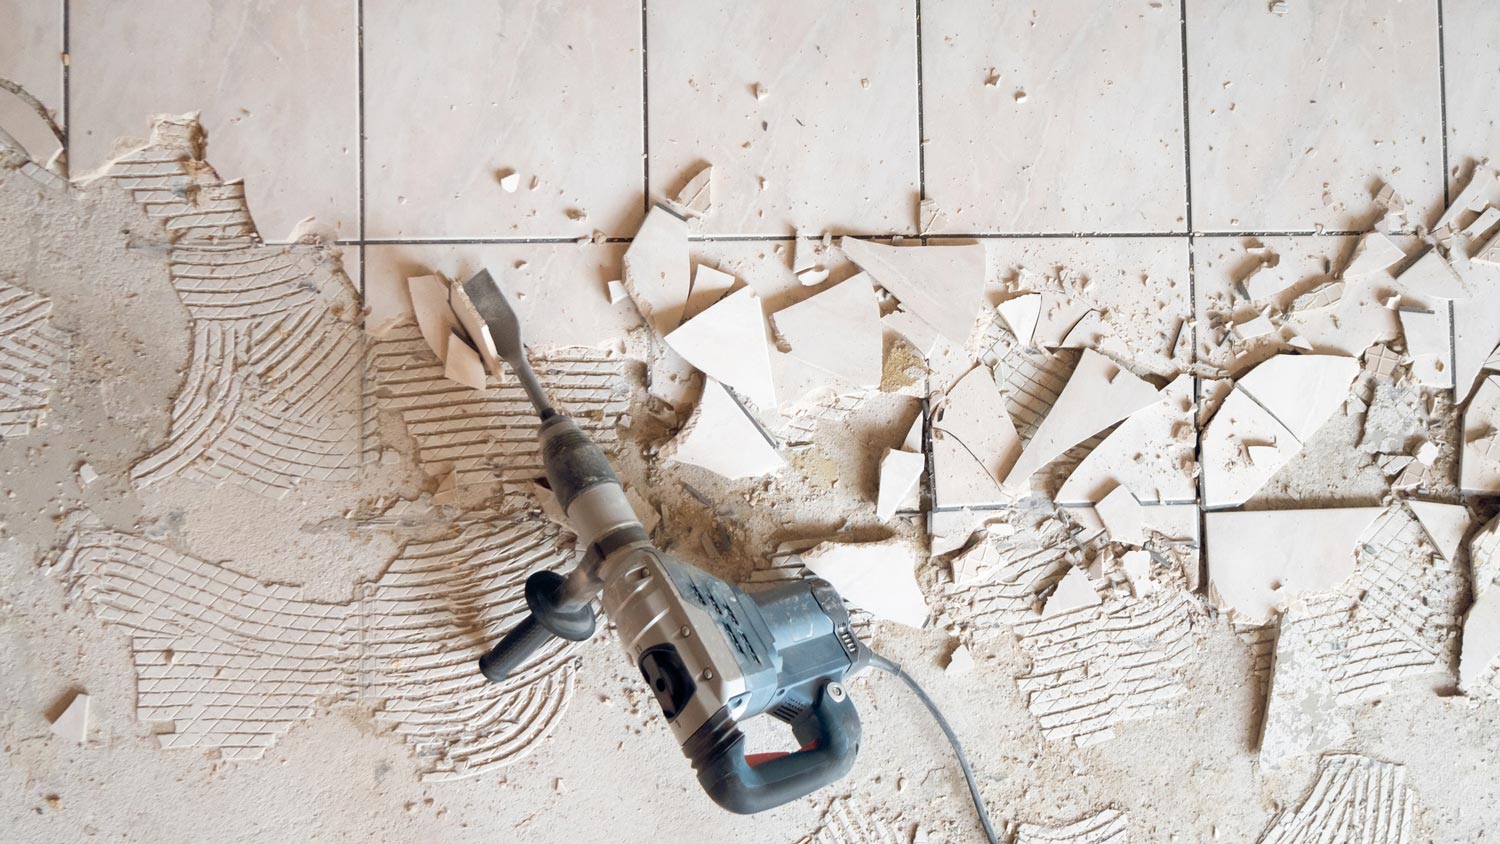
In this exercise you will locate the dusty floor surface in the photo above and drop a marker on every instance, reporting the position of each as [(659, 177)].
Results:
[(246, 514)]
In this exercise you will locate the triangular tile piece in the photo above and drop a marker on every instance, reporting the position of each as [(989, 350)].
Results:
[(1429, 342), (1074, 592), (1122, 517), (1260, 560), (1243, 446), (1098, 394), (429, 299), (720, 438), (656, 269), (709, 286), (973, 443), (1302, 712), (1373, 253), (944, 285), (1151, 453), (899, 472), (463, 364), (915, 330), (1020, 314), (878, 577), (728, 342), (838, 332), (1301, 391), (73, 724), (1431, 277), (1445, 524)]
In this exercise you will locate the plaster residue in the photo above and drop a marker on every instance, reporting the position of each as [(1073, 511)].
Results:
[(272, 395), (227, 663), (1355, 798), (1106, 827), (30, 350), (851, 821)]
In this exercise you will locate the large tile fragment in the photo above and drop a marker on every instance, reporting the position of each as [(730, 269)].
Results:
[(1099, 394), (231, 664), (1150, 453), (835, 340), (1262, 424), (1479, 663), (1302, 715), (943, 285), (1260, 560), (656, 270), (973, 443), (1481, 439), (878, 577), (1355, 798), (723, 439), (728, 343)]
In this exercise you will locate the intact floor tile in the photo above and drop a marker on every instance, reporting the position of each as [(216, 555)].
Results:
[(1297, 117), (558, 289), (1061, 117), (806, 111), (275, 81), (31, 56), (459, 95), (1471, 31), (1139, 287)]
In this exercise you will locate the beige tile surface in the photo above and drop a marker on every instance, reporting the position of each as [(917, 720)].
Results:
[(1471, 46), (460, 93), (1295, 117), (1065, 116), (31, 56), (834, 134), (558, 289), (275, 81)]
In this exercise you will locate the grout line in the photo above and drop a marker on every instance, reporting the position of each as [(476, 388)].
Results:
[(359, 20), (67, 103), (921, 126), (1192, 256), (645, 121), (1187, 133), (1443, 97)]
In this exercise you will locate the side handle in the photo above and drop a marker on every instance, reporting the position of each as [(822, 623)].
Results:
[(829, 733)]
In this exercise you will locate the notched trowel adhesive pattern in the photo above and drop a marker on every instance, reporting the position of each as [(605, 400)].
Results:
[(228, 663), (489, 437), (1355, 799), (1107, 827), (30, 351), (273, 393)]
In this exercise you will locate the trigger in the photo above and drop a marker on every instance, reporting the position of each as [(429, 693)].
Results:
[(753, 759)]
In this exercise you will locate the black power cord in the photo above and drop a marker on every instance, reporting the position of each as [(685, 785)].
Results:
[(878, 661)]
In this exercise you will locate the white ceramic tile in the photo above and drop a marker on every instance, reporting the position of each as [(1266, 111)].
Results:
[(1295, 117), (558, 289), (1063, 116), (1141, 283), (834, 135), (459, 94), (275, 81), (1471, 45), (31, 56)]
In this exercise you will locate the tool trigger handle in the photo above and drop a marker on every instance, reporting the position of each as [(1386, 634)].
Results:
[(830, 735)]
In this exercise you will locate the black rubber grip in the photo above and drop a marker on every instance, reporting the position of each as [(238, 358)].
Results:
[(519, 644)]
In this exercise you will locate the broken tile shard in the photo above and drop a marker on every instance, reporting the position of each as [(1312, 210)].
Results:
[(899, 473), (974, 443), (1445, 525), (1301, 391), (1302, 715), (1260, 560), (429, 298), (656, 270), (1021, 314), (1374, 252), (709, 286), (696, 196), (944, 285), (1151, 453), (1431, 277), (838, 334), (720, 438), (878, 577), (728, 343), (73, 724), (1074, 592), (1098, 394), (1429, 344), (463, 364)]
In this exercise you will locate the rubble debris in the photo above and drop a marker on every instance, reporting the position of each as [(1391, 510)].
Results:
[(899, 473), (1259, 560), (1098, 394), (1355, 798), (728, 343), (943, 285), (1150, 453), (696, 196), (1106, 827), (709, 286), (73, 724), (721, 438), (656, 270), (86, 474), (878, 577), (973, 443)]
